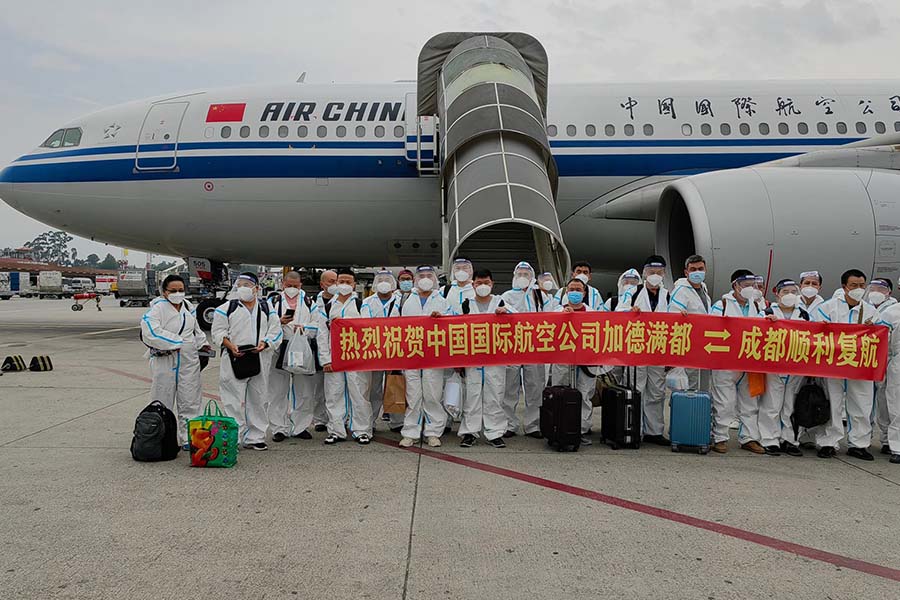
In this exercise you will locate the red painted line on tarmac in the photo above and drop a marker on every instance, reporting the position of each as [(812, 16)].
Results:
[(661, 513)]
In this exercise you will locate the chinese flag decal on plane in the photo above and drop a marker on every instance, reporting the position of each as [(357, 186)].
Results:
[(224, 113)]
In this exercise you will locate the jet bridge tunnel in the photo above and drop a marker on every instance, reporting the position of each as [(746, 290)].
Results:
[(498, 177)]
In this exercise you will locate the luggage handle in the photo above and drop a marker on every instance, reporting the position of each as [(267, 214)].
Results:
[(629, 417)]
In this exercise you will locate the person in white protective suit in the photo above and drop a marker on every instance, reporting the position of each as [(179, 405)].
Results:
[(461, 288), (777, 403), (690, 297), (546, 283), (890, 439), (171, 332), (247, 322), (379, 305), (730, 390), (650, 296), (582, 270), (856, 395), (527, 380), (625, 288), (291, 396), (346, 393), (425, 413), (878, 294), (327, 291), (810, 286), (584, 376), (482, 405)]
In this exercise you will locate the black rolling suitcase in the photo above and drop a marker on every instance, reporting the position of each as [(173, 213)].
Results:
[(561, 417), (620, 413)]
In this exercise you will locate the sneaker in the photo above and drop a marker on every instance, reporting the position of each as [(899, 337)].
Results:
[(303, 435), (499, 443), (320, 428), (333, 439), (586, 440), (895, 459), (258, 446), (753, 446), (886, 449), (860, 453), (792, 450), (826, 452), (278, 437), (407, 442), (720, 447), (659, 440), (385, 417), (468, 441), (363, 439), (773, 450), (397, 429), (186, 447), (510, 434), (433, 442), (536, 435)]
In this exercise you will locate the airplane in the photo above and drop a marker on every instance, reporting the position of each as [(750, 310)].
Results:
[(776, 176)]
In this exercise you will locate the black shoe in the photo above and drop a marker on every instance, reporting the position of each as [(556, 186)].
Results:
[(826, 452), (258, 446), (885, 449), (860, 453), (363, 439), (303, 435), (385, 417), (773, 450), (333, 439), (320, 428), (396, 429), (659, 440), (468, 441), (278, 437), (791, 450), (497, 443), (510, 434), (448, 428), (895, 459), (536, 435)]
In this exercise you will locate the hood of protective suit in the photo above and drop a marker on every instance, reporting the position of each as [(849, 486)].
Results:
[(524, 269), (633, 273)]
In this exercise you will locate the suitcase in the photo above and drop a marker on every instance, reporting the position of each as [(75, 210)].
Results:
[(620, 414), (690, 421), (561, 417)]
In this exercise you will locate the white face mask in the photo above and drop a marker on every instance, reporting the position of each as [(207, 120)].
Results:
[(483, 290), (426, 284), (583, 277), (547, 285), (857, 294), (876, 298), (790, 300), (245, 294), (176, 297), (384, 287), (748, 293), (654, 280), (757, 294), (809, 292), (461, 276), (343, 289), (520, 283), (331, 289), (291, 292)]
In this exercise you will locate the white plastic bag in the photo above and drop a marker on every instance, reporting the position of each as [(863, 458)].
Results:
[(298, 358), (453, 395), (677, 379)]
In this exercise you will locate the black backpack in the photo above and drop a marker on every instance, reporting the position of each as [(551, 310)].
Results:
[(466, 308), (155, 434), (811, 407)]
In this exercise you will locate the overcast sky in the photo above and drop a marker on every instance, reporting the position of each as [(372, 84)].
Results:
[(59, 60)]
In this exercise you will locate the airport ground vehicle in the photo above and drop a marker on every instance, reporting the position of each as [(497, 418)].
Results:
[(105, 284), (82, 284), (50, 285), (136, 287)]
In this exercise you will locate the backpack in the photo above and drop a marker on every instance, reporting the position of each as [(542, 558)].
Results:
[(330, 303), (466, 308), (811, 407), (614, 300), (155, 434)]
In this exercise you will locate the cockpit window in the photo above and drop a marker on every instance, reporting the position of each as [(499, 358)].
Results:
[(73, 137), (55, 140)]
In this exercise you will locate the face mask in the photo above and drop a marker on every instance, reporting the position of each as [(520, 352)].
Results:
[(809, 292), (332, 289), (176, 297), (697, 276), (583, 277), (876, 298), (461, 276), (574, 297), (790, 300), (520, 283), (654, 280), (748, 293), (383, 287), (483, 290), (245, 294), (344, 289), (291, 292), (757, 294), (425, 284), (629, 287), (857, 294), (547, 285), (406, 286)]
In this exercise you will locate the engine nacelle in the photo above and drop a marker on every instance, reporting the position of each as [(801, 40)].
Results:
[(781, 221)]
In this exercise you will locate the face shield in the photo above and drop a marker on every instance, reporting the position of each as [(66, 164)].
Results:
[(426, 279), (877, 292), (523, 276), (745, 287), (546, 282), (384, 282), (653, 274), (628, 279), (788, 293), (462, 271)]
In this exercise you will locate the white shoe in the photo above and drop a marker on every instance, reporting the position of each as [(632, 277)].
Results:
[(433, 442), (407, 442)]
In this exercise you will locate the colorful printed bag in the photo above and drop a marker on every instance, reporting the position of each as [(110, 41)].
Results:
[(214, 438)]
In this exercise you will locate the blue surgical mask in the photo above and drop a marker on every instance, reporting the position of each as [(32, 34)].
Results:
[(697, 276), (575, 297), (406, 286)]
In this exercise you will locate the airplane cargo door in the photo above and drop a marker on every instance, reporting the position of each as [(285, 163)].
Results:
[(157, 147)]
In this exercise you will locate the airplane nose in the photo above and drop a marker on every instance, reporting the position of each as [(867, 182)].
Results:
[(6, 188)]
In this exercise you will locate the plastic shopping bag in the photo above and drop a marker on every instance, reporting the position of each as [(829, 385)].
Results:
[(677, 379), (214, 438), (298, 358), (453, 395)]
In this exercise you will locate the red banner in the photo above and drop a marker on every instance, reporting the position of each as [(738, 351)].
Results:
[(611, 338)]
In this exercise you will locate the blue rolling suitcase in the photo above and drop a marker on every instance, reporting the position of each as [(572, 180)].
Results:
[(690, 421)]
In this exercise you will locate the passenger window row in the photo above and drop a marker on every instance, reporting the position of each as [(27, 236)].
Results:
[(322, 131), (687, 130)]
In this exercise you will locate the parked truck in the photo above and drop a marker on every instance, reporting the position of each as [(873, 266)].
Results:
[(50, 284), (136, 287), (5, 289), (106, 284)]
